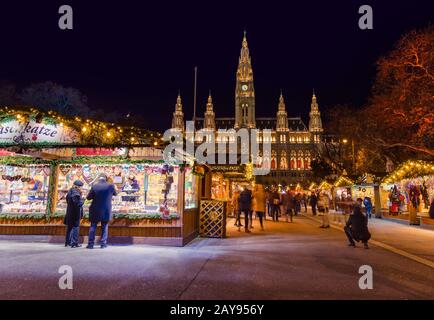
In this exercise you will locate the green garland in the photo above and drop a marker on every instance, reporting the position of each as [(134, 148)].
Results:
[(21, 216), (130, 216), (106, 160), (21, 160)]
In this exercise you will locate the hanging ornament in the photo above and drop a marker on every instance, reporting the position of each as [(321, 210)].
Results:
[(65, 169)]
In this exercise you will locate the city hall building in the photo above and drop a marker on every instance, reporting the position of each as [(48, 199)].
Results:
[(293, 144)]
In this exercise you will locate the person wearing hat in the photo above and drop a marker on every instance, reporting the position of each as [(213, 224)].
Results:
[(74, 213)]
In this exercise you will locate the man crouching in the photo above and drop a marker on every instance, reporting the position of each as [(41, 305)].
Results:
[(356, 228)]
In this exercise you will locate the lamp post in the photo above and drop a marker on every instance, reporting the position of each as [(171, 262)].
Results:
[(353, 158)]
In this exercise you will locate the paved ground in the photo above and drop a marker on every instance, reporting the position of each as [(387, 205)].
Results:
[(287, 261), (412, 239)]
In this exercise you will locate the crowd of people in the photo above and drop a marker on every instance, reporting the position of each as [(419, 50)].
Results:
[(246, 202), (288, 204)]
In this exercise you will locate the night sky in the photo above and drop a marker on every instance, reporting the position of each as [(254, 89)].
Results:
[(135, 55)]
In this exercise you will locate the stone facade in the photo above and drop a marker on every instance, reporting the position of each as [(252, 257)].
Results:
[(293, 144)]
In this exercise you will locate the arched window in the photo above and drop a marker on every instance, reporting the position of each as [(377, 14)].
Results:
[(266, 160), (283, 160), (300, 161), (293, 160), (273, 160), (307, 160)]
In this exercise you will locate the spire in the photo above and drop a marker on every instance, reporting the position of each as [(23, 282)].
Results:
[(209, 105), (209, 120), (282, 116), (178, 115), (178, 106), (314, 104), (315, 123), (245, 55), (282, 106)]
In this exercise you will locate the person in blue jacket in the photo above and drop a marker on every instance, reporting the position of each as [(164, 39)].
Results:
[(100, 211), (74, 213), (368, 206)]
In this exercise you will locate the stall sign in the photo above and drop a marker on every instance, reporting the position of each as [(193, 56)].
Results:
[(29, 132)]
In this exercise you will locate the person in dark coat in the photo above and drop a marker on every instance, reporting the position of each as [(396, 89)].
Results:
[(287, 204), (245, 205), (297, 203), (275, 205), (356, 228), (313, 202), (74, 213), (100, 210)]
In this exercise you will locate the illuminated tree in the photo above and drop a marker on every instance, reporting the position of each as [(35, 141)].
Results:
[(400, 114)]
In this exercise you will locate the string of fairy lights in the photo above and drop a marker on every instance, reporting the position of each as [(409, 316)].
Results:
[(91, 131), (410, 169)]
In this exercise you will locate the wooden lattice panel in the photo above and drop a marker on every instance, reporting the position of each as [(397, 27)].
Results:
[(212, 220)]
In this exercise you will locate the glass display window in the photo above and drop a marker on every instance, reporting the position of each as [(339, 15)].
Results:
[(190, 188), (24, 188), (141, 188)]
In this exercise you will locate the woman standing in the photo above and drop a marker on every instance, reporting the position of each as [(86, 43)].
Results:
[(74, 213), (258, 205)]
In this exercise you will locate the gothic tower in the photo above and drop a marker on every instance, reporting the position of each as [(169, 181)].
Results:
[(178, 115), (244, 90), (282, 115), (209, 119), (315, 123)]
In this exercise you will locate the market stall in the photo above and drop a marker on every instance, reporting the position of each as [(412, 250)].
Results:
[(342, 196), (156, 202), (407, 192)]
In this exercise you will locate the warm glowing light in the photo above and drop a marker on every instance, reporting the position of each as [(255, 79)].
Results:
[(345, 141), (108, 134), (84, 129)]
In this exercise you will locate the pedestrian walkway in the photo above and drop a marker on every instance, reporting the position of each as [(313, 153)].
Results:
[(410, 239)]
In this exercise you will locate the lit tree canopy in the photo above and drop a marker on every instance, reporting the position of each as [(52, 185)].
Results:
[(401, 111)]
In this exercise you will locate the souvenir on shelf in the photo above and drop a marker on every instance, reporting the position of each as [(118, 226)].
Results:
[(24, 189)]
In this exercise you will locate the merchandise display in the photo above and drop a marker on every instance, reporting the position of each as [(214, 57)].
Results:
[(191, 200), (141, 188), (24, 188)]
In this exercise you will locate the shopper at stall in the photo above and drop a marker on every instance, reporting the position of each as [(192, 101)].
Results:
[(258, 203), (356, 228), (74, 213), (245, 204), (100, 211), (313, 202)]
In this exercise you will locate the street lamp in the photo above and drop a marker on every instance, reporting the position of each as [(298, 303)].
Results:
[(345, 141)]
